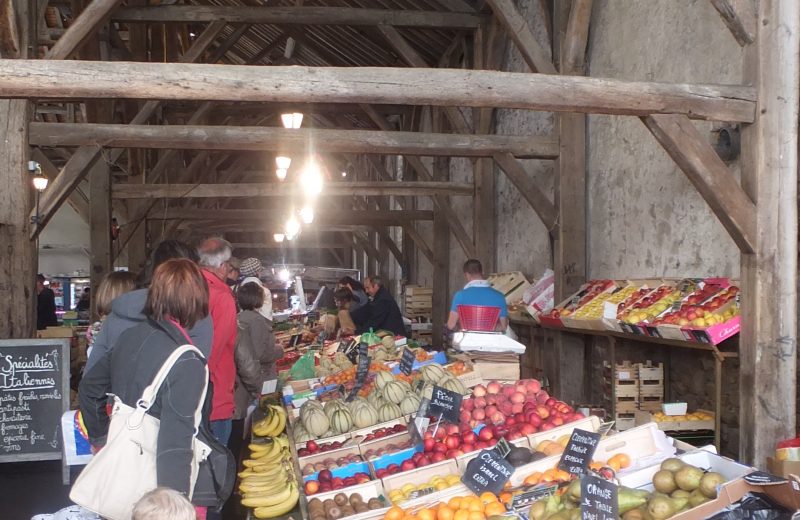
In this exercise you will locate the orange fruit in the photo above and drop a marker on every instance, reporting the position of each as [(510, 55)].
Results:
[(409, 516), (595, 466), (533, 478), (622, 459), (445, 513), (487, 497), (495, 508), (465, 503), (506, 497), (394, 513), (426, 514), (476, 506), (563, 475), (454, 503), (476, 515), (461, 515)]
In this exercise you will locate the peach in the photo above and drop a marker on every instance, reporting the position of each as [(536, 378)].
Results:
[(480, 402), (468, 405), (518, 397), (491, 399), (464, 416), (479, 391), (506, 408), (542, 397), (493, 387), (534, 386), (491, 409), (508, 391), (498, 418), (521, 388), (516, 408), (478, 414)]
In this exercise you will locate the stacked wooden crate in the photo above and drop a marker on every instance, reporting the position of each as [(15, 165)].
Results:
[(621, 393), (651, 386), (417, 305)]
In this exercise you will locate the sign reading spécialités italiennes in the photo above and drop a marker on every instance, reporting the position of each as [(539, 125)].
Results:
[(34, 393)]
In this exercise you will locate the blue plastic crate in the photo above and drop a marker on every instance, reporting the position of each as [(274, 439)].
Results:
[(343, 471), (440, 358)]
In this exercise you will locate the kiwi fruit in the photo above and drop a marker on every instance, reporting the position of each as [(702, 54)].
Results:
[(314, 502), (317, 515), (360, 508), (374, 503), (328, 504), (334, 513), (356, 498), (347, 511), (340, 499)]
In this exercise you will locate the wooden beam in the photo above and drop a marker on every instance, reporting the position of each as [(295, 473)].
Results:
[(298, 15), (709, 174), (740, 18), (294, 244), (441, 249), (77, 199), (273, 189), (419, 241), (768, 339), (441, 203), (70, 176), (534, 54), (573, 51), (9, 35), (82, 28), (410, 56), (529, 190), (288, 140), (366, 217), (48, 79), (100, 259)]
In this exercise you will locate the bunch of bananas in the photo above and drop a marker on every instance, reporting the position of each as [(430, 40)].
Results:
[(273, 424), (268, 484)]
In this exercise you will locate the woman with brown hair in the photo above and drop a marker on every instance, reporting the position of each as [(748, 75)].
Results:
[(113, 285), (176, 301)]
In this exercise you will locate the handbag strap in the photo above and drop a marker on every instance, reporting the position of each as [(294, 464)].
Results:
[(149, 394)]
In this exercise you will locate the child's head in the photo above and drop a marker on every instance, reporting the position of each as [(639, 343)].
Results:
[(163, 504), (113, 285)]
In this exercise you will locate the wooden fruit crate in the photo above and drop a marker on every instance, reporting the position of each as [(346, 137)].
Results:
[(418, 290), (650, 372), (624, 421), (623, 404), (623, 372), (622, 388), (651, 404), (647, 389), (512, 284)]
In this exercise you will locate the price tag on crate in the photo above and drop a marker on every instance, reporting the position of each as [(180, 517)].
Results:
[(407, 361), (579, 451), (445, 404), (294, 340), (502, 447), (362, 369), (346, 345), (598, 499), (487, 472), (526, 498)]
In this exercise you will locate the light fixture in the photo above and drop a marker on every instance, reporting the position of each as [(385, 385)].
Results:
[(311, 179), (284, 275), (40, 182), (292, 227), (293, 120), (283, 162), (278, 237), (281, 173), (344, 174), (307, 215)]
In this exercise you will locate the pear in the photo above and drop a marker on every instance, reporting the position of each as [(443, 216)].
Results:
[(709, 483), (664, 481), (697, 498), (537, 511), (679, 493), (634, 514), (688, 478), (672, 464), (575, 514), (680, 502), (660, 508), (561, 515)]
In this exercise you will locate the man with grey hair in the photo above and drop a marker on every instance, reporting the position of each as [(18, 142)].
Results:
[(381, 312), (215, 254)]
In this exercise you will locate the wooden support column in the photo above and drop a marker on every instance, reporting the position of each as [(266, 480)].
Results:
[(441, 250), (768, 340), (18, 261), (569, 246), (99, 225)]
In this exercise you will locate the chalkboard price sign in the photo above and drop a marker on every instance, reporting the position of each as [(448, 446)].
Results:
[(362, 369), (579, 451), (446, 404), (487, 472), (34, 393), (294, 340), (598, 499), (407, 361)]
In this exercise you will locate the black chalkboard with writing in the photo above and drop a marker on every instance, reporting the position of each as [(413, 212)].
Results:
[(34, 393), (598, 499), (579, 451), (487, 472), (445, 404), (407, 361)]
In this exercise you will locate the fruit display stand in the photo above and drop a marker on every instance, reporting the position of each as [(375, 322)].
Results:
[(696, 421)]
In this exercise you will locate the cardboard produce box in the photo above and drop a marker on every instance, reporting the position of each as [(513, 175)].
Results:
[(783, 468)]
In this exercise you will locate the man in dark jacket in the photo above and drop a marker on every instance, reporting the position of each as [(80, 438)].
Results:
[(45, 305), (381, 313)]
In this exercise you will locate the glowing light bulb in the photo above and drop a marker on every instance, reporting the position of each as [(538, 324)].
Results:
[(311, 179), (307, 215), (293, 120), (278, 237), (281, 173), (283, 162), (292, 227)]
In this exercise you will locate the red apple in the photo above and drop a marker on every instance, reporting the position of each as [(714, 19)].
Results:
[(518, 397), (491, 399), (468, 447), (324, 475), (302, 452), (491, 409), (543, 411), (558, 421), (542, 397), (506, 408), (418, 455), (440, 447), (464, 416), (452, 429), (451, 454), (428, 434), (440, 434), (393, 468), (362, 477), (423, 461), (547, 426), (527, 428), (498, 418), (508, 391), (551, 401), (452, 442), (481, 445), (534, 386), (514, 434), (468, 405), (478, 414), (510, 421), (479, 391), (312, 446), (324, 487), (438, 457), (533, 418), (337, 483), (468, 437), (493, 387), (480, 402), (486, 433), (407, 465), (350, 481)]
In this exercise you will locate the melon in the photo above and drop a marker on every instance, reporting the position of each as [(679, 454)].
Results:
[(395, 391), (383, 378), (332, 406), (432, 373), (316, 422), (455, 385), (410, 404), (365, 415), (341, 420), (389, 412), (308, 406), (388, 342)]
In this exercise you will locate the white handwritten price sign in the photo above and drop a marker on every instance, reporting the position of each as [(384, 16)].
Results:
[(34, 393), (579, 451), (598, 499)]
